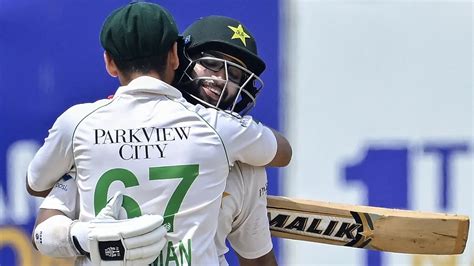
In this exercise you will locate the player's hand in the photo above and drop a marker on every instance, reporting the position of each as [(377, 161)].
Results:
[(135, 241), (111, 211)]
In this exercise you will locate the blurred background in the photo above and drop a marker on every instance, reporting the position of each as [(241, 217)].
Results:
[(376, 98)]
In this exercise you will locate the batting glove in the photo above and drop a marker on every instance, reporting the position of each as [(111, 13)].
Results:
[(113, 242)]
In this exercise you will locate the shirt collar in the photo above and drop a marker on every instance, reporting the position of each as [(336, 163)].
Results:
[(147, 84)]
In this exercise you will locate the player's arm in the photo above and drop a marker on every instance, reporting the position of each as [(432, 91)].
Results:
[(250, 236), (268, 259), (284, 152), (51, 234), (35, 193), (252, 143), (57, 233), (53, 160), (42, 216)]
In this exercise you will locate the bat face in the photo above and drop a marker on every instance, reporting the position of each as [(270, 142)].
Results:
[(383, 229), (355, 231)]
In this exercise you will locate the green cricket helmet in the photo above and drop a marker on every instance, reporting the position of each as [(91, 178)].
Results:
[(202, 43)]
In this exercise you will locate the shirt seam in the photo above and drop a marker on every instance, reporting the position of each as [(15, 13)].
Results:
[(74, 133), (205, 121)]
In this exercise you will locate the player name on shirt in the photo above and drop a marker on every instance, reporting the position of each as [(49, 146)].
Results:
[(141, 143), (176, 254)]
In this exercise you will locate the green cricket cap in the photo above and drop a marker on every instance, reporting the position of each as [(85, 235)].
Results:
[(224, 34), (138, 30)]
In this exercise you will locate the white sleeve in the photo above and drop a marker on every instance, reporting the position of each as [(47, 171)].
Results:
[(250, 236), (55, 157), (246, 140), (63, 197)]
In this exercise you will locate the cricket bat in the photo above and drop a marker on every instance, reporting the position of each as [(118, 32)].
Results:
[(383, 229)]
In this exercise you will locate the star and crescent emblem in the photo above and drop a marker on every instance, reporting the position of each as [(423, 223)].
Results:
[(239, 33)]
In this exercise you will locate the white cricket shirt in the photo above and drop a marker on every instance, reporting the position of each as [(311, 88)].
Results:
[(243, 216), (168, 157)]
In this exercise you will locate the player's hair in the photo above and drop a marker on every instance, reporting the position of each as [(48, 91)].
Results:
[(143, 65)]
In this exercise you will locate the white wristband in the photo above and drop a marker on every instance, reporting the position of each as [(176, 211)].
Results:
[(52, 237)]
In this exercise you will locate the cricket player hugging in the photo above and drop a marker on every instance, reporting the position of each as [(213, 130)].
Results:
[(145, 163)]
